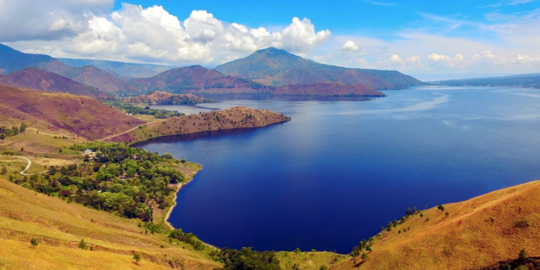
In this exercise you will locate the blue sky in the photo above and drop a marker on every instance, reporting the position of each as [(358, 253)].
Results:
[(448, 39)]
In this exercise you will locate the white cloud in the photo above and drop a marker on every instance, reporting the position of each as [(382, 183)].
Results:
[(52, 19), (349, 46), (438, 57), (153, 35)]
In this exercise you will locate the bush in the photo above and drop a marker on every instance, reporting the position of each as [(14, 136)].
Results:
[(364, 256), (522, 223), (34, 242), (523, 254), (82, 244)]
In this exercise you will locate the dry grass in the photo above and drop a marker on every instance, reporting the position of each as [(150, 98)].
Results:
[(309, 260), (477, 233), (56, 224)]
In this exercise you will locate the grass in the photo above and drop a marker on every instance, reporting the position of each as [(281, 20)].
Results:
[(56, 224), (309, 260), (477, 233)]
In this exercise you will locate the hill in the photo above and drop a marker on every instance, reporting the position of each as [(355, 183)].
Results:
[(41, 80), (58, 227), (277, 68), (126, 70), (12, 60), (83, 116), (476, 233), (194, 79), (526, 81), (164, 98), (231, 118)]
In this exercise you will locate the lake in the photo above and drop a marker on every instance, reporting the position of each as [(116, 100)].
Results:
[(341, 169)]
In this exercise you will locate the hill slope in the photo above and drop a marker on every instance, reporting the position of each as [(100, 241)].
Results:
[(164, 98), (527, 80), (477, 233), (231, 118), (12, 60), (59, 226), (84, 116), (277, 67), (41, 80)]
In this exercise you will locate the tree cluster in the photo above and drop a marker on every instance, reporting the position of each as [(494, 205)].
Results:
[(248, 259), (8, 132), (131, 109), (121, 179)]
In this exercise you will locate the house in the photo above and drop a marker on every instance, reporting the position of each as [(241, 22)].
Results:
[(89, 153)]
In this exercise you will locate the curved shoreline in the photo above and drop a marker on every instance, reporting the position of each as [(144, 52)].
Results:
[(181, 185)]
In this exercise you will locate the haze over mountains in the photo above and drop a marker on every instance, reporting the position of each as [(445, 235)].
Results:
[(268, 71)]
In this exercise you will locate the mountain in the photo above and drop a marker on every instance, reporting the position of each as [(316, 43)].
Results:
[(475, 233), (12, 60), (80, 115), (278, 67), (194, 79), (126, 70), (526, 81), (164, 98), (41, 80)]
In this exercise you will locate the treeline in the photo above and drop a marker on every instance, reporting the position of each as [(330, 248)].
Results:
[(120, 179), (131, 109), (246, 258), (7, 132)]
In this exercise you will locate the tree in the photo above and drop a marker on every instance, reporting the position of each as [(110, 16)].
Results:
[(3, 171), (22, 128), (137, 258), (34, 242), (368, 248), (440, 207), (523, 254), (364, 256), (323, 267), (295, 267), (82, 244)]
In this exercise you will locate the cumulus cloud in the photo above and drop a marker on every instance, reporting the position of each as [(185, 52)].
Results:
[(152, 34), (349, 46), (52, 19)]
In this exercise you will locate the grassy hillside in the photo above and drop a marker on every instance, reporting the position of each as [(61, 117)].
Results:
[(59, 226), (475, 233), (232, 118), (79, 115)]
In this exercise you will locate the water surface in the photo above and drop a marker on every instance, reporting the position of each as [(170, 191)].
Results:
[(341, 169)]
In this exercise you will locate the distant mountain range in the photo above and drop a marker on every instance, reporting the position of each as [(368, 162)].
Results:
[(269, 71), (526, 80), (165, 98), (122, 70)]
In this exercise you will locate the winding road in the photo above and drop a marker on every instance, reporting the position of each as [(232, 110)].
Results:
[(23, 172)]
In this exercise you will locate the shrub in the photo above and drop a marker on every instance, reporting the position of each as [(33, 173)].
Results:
[(34, 242), (523, 254), (364, 256), (522, 223), (137, 257), (323, 267), (82, 244)]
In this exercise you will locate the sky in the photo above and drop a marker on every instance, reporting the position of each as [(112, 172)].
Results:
[(430, 40)]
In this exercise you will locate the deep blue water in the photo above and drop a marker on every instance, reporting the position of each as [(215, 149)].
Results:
[(342, 169)]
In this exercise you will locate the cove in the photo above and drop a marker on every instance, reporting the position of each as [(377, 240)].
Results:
[(343, 168)]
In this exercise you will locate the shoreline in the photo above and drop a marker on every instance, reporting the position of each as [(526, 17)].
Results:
[(181, 185)]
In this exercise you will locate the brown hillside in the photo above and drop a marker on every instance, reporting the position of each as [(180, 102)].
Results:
[(236, 117), (58, 227), (164, 98), (477, 233), (328, 89), (41, 80), (84, 116)]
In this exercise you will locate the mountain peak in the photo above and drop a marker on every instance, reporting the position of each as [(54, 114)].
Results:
[(272, 51)]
